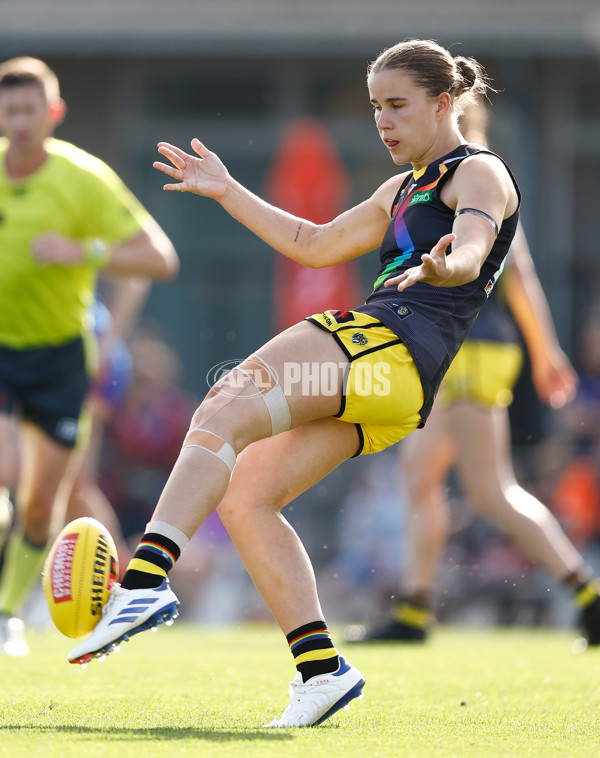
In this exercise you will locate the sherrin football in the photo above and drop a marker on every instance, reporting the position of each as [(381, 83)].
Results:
[(79, 571)]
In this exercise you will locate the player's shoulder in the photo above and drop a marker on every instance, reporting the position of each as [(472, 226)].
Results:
[(485, 167), (387, 192), (481, 159), (75, 157)]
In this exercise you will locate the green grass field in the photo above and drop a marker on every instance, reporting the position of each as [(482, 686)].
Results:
[(192, 691)]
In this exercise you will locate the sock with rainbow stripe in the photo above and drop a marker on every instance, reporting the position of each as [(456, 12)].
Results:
[(155, 556), (313, 650)]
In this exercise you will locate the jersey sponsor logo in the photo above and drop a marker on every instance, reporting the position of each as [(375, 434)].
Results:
[(421, 197), (342, 317)]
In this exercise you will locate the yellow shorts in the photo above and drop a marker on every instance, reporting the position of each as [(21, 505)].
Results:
[(382, 394), (483, 372)]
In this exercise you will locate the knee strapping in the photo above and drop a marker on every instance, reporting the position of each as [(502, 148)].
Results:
[(213, 444), (270, 390)]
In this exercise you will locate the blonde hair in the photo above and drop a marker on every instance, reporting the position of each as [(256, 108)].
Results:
[(433, 68), (19, 71)]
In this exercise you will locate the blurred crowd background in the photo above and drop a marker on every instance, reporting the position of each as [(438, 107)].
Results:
[(256, 80)]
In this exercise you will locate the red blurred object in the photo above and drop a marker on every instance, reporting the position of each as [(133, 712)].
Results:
[(576, 500), (307, 178)]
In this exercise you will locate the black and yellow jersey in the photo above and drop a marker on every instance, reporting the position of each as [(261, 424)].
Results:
[(431, 321)]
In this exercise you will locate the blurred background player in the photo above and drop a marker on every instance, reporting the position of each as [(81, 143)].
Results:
[(64, 216), (469, 429)]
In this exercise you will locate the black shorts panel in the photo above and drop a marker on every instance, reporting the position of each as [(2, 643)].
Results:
[(48, 385)]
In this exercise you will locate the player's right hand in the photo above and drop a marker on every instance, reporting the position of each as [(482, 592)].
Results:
[(204, 175)]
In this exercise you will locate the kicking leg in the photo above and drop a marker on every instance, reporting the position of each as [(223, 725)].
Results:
[(246, 406)]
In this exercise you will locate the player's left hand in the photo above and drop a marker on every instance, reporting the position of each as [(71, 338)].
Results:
[(433, 269), (52, 248)]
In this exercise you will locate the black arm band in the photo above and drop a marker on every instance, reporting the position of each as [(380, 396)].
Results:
[(481, 214)]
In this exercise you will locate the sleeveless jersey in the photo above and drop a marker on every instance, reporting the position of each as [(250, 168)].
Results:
[(495, 322), (73, 194), (431, 321)]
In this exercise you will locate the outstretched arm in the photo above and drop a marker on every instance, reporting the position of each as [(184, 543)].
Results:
[(351, 234), (553, 376)]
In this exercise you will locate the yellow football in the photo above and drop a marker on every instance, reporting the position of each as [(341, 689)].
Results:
[(79, 571)]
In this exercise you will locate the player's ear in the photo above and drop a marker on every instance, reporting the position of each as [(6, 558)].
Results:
[(444, 104), (57, 111)]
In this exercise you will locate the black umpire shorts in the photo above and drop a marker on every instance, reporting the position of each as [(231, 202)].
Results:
[(48, 387)]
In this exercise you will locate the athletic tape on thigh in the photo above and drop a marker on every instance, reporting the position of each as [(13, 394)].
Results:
[(271, 392), (212, 443)]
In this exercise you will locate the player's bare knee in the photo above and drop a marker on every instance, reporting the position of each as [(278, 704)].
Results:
[(234, 514), (237, 511)]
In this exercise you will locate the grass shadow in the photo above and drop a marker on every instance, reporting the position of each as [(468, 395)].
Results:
[(155, 733)]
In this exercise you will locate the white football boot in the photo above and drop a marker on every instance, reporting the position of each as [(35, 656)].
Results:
[(126, 613), (12, 637), (314, 701)]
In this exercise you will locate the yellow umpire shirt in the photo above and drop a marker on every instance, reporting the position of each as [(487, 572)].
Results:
[(73, 194)]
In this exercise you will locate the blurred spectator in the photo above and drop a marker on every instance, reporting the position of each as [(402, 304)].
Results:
[(576, 499)]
